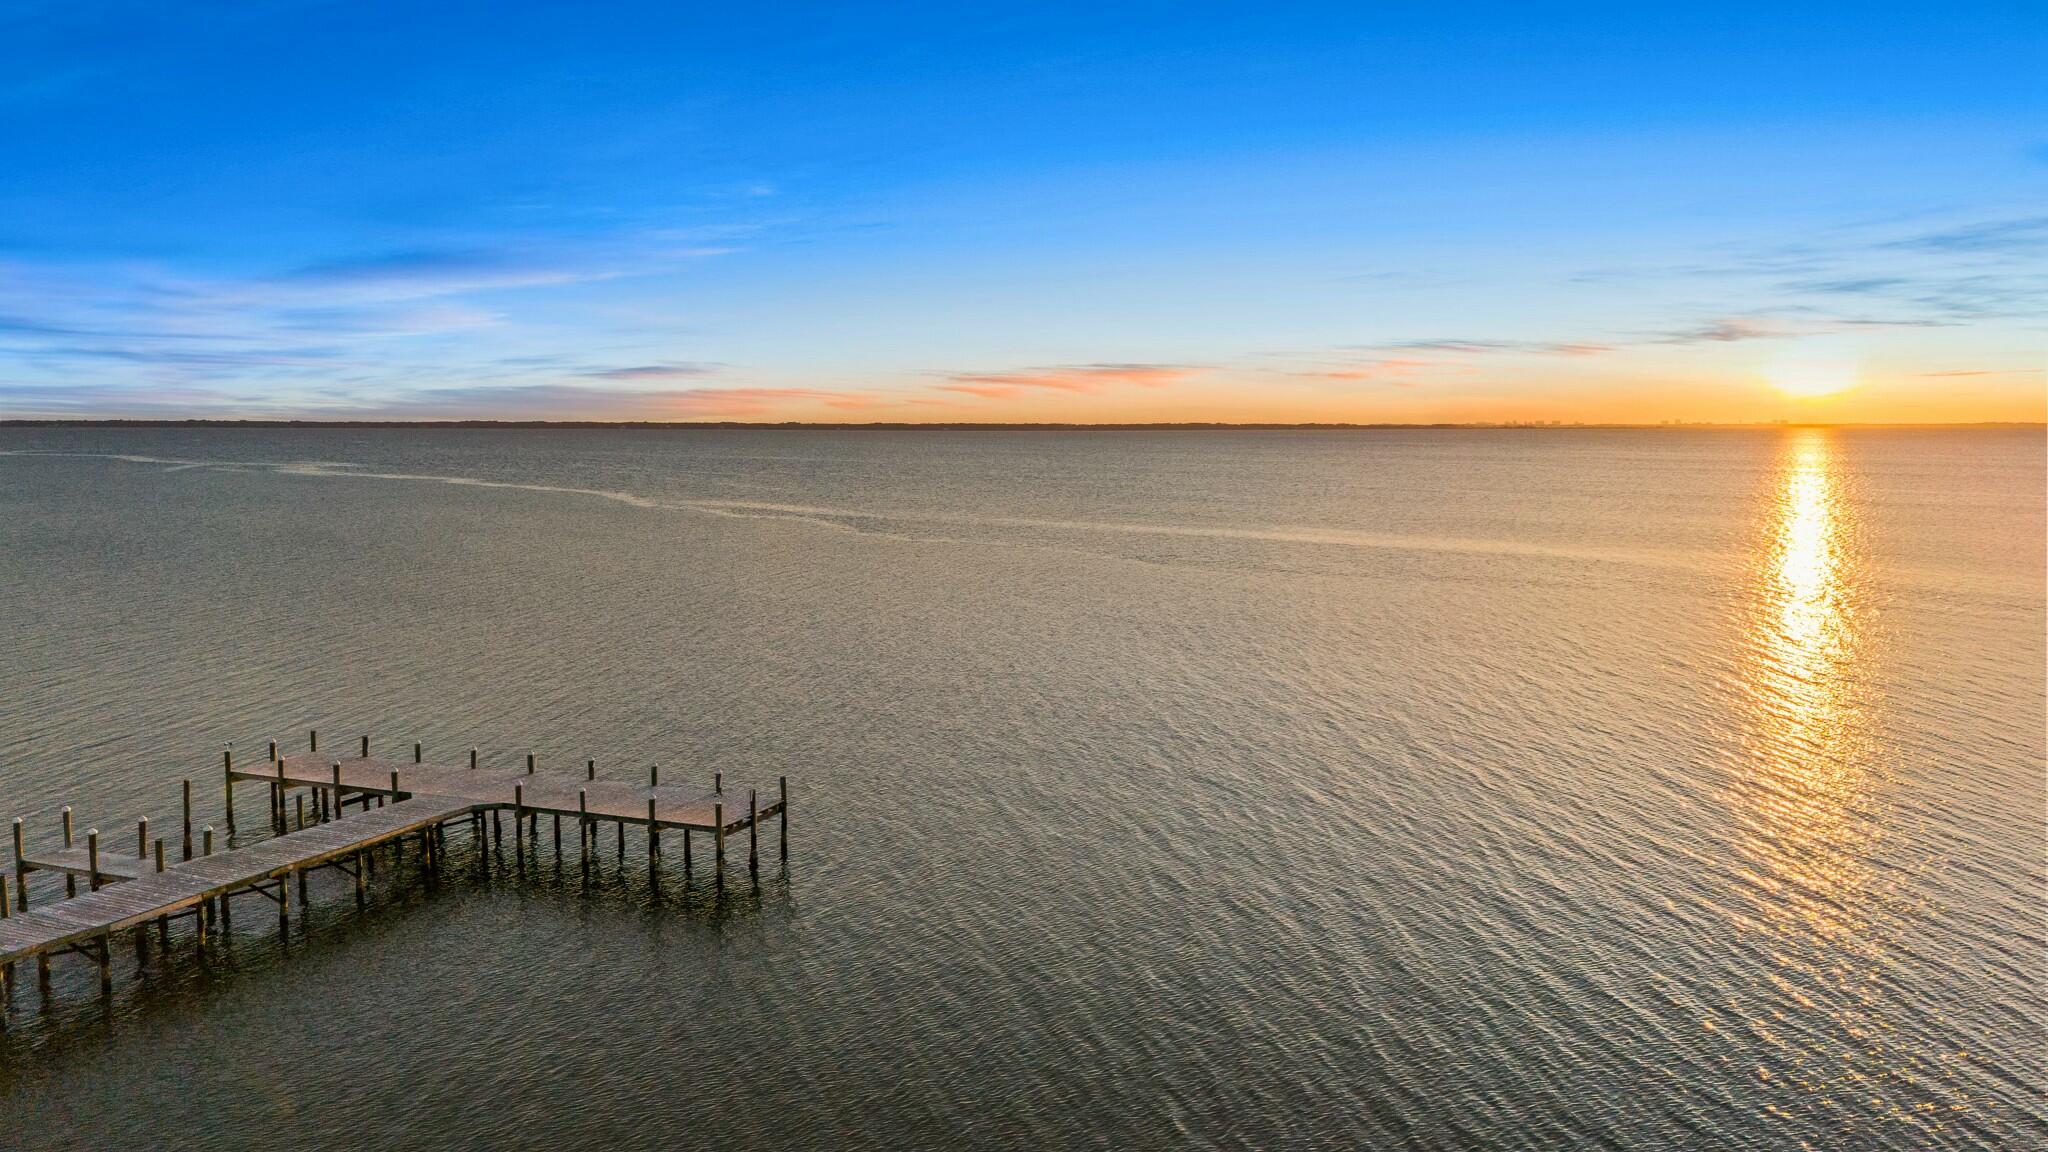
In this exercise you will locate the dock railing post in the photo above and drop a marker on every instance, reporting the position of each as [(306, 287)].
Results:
[(718, 840), (20, 867), (92, 859), (227, 763), (70, 881), (185, 802)]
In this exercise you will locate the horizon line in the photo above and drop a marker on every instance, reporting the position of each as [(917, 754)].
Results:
[(1001, 426)]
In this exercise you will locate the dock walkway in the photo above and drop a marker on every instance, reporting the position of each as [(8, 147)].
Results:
[(395, 800)]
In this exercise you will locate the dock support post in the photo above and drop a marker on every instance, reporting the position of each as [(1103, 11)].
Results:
[(653, 835), (92, 859), (20, 868), (686, 853), (497, 834), (519, 824), (7, 969), (782, 782), (394, 785), (335, 769), (277, 792), (185, 802), (206, 907), (753, 837), (284, 905), (227, 763), (70, 881), (558, 837), (583, 829), (163, 923), (718, 838)]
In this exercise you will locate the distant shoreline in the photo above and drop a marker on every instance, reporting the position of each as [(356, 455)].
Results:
[(880, 426)]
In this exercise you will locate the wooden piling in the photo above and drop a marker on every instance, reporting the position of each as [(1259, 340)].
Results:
[(718, 834), (529, 763), (583, 824), (185, 801), (718, 783), (70, 881), (417, 752), (20, 868), (366, 747), (227, 763), (394, 785), (472, 759), (653, 834), (335, 768), (590, 769), (519, 820), (92, 859), (277, 791), (753, 838), (782, 841), (312, 740), (142, 838), (163, 923)]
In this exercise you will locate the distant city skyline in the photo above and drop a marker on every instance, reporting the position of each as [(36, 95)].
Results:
[(1742, 213)]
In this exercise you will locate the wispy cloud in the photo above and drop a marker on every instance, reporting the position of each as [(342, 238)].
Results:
[(678, 371), (1082, 378), (1486, 347), (2024, 234)]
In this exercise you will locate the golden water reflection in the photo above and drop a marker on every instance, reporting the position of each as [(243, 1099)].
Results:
[(1804, 802)]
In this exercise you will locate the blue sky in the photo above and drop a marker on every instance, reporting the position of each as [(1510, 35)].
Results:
[(1097, 212)]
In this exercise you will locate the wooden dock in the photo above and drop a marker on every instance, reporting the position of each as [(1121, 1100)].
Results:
[(334, 812)]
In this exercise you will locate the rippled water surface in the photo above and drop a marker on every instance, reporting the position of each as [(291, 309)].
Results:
[(1426, 789)]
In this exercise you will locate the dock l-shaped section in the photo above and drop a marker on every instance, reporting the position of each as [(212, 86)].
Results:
[(392, 800)]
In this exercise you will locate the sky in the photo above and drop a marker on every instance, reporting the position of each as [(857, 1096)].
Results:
[(1045, 212)]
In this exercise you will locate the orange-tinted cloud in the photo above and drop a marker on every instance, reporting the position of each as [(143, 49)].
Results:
[(1067, 378)]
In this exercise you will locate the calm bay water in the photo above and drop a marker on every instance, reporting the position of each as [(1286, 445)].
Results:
[(1424, 789)]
